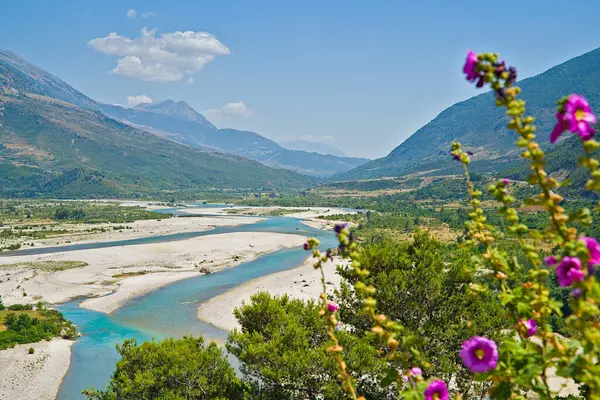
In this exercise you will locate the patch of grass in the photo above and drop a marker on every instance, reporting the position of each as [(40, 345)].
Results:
[(238, 211), (284, 211), (30, 313), (143, 272), (169, 266), (358, 218), (129, 274), (49, 266)]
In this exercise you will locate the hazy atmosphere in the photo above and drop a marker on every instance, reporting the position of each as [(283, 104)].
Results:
[(361, 77), (299, 200)]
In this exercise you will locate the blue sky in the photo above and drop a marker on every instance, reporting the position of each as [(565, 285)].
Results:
[(361, 75)]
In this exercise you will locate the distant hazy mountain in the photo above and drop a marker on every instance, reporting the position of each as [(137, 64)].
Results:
[(180, 122), (176, 121), (50, 145), (481, 127), (313, 147)]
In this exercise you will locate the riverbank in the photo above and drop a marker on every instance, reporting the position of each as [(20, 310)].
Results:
[(34, 376), (120, 273), (303, 282)]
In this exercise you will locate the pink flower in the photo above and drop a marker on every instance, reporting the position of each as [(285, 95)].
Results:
[(531, 326), (332, 307), (470, 68), (437, 390), (479, 354), (594, 253), (593, 248), (415, 371), (569, 271), (576, 117), (306, 246), (550, 260), (579, 116), (559, 128), (505, 181)]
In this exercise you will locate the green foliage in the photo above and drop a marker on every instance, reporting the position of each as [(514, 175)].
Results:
[(560, 163), (282, 349), (23, 325), (27, 220), (424, 287), (29, 211), (173, 369), (20, 307)]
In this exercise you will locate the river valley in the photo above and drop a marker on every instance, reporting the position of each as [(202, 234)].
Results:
[(170, 310)]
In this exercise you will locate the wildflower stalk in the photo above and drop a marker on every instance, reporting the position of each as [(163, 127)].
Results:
[(382, 326), (481, 234), (520, 230), (592, 165), (551, 201), (574, 114), (328, 311)]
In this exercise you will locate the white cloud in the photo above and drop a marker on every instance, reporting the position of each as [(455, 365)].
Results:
[(135, 100), (167, 57), (134, 67), (131, 13), (148, 14), (190, 80), (230, 110)]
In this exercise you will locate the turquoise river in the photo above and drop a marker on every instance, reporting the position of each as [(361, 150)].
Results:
[(169, 311)]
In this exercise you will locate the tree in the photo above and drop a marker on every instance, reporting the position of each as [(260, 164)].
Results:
[(11, 322), (282, 349), (173, 369), (424, 287), (1, 304)]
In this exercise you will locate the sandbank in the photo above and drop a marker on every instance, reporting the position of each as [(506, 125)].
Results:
[(120, 273), (92, 233), (34, 376), (303, 282)]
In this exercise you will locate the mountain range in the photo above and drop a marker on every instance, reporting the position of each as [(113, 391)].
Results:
[(56, 141), (481, 127), (313, 147), (178, 121)]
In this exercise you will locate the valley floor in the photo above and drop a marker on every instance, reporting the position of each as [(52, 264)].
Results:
[(111, 276), (120, 273)]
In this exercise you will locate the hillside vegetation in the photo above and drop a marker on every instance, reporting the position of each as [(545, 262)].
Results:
[(481, 127), (53, 148)]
